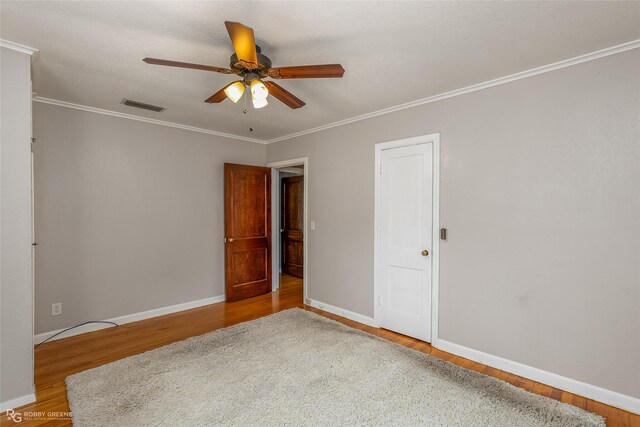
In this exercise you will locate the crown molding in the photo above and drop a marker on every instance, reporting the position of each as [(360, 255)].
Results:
[(18, 47), (143, 119), (473, 88), (457, 92)]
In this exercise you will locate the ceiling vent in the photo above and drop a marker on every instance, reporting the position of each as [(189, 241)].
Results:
[(138, 104)]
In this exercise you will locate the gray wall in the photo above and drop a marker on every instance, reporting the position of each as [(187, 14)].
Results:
[(16, 289), (540, 191), (129, 215)]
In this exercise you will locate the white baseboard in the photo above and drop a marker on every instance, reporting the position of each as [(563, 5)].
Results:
[(343, 313), (129, 318), (599, 394), (14, 403)]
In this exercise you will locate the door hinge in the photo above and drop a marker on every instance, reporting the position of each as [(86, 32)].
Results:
[(380, 168), (379, 300)]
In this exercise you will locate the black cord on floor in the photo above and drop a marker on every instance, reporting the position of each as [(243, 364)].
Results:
[(73, 327)]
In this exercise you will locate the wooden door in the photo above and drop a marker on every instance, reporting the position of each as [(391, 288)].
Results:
[(247, 225), (291, 228), (406, 220)]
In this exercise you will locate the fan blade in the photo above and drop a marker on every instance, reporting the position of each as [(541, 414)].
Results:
[(157, 61), (284, 95), (243, 43), (219, 96), (307, 72)]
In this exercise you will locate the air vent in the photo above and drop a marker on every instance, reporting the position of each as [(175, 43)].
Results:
[(138, 104)]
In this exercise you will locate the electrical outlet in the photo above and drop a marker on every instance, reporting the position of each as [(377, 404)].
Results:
[(56, 309)]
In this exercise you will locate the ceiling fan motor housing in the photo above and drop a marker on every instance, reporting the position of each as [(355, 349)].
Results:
[(239, 67), (250, 76)]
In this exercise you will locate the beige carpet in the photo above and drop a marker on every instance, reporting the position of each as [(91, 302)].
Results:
[(298, 368)]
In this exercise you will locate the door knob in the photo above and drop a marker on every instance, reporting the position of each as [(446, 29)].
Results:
[(425, 252), (230, 240)]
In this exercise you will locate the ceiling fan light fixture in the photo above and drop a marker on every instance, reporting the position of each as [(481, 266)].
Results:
[(259, 103), (234, 91), (259, 91), (250, 65)]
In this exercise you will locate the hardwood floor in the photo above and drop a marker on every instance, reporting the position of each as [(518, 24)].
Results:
[(56, 360)]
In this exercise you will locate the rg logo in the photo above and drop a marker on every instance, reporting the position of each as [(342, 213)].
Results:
[(13, 415)]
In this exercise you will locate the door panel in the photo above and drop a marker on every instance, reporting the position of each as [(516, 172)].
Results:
[(405, 231), (292, 196), (405, 291), (247, 223)]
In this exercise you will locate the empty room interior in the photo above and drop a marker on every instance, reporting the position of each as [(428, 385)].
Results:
[(370, 213)]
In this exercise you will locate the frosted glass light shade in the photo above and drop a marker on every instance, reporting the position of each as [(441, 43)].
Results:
[(234, 91), (259, 103), (258, 90)]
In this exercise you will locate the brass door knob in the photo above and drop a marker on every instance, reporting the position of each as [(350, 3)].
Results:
[(230, 240), (425, 252)]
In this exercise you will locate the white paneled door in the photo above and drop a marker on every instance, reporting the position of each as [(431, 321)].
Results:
[(406, 220)]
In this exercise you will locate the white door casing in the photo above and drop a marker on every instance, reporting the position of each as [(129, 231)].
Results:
[(275, 209), (405, 228)]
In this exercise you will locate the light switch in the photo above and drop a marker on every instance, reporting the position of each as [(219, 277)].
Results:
[(313, 225)]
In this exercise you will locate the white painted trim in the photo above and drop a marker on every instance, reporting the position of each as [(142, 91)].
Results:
[(276, 255), (634, 44), (142, 119), (479, 86), (121, 320), (599, 394), (366, 320), (18, 47), (434, 139), (19, 401), (288, 163), (435, 244), (293, 170), (275, 212)]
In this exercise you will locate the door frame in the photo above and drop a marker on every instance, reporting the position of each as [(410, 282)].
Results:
[(434, 139), (275, 215)]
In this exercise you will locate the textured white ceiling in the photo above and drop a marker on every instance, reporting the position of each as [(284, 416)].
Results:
[(393, 52)]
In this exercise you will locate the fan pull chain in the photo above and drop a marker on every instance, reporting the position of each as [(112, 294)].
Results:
[(246, 111)]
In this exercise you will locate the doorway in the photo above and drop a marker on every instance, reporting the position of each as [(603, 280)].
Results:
[(407, 236), (292, 222), (290, 183)]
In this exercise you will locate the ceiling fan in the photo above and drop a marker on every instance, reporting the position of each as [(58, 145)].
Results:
[(252, 66)]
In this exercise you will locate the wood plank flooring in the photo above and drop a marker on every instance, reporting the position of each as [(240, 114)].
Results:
[(56, 360)]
